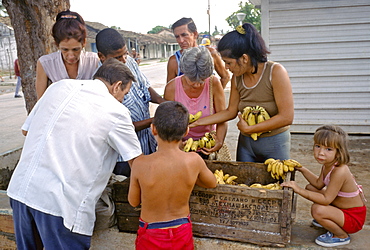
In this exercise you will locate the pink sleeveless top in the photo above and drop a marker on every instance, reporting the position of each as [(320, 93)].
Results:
[(342, 194), (201, 103)]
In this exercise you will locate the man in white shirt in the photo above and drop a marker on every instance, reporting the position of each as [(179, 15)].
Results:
[(75, 133)]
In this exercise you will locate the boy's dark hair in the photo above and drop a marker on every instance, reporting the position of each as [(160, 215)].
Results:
[(171, 120), (185, 20), (113, 70), (69, 25), (234, 45), (109, 41)]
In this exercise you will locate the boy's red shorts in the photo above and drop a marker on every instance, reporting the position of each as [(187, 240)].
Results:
[(170, 238), (354, 219)]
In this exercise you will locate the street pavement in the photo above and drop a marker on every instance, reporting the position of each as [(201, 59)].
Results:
[(13, 114)]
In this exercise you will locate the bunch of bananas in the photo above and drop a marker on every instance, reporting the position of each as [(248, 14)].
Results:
[(207, 141), (193, 118), (224, 179), (254, 115), (271, 186), (278, 168)]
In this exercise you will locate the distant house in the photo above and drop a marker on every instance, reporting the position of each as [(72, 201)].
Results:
[(150, 46), (8, 48), (325, 46)]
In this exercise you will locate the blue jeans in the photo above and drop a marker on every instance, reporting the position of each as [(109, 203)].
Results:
[(18, 86), (276, 146), (35, 230)]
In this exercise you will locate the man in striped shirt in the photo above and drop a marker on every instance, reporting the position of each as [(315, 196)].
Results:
[(110, 43)]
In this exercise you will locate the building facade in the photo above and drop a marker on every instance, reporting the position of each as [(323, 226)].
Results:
[(325, 46)]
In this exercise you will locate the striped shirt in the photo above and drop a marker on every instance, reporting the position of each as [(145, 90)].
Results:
[(137, 101)]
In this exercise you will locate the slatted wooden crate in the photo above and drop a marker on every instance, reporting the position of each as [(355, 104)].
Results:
[(259, 216)]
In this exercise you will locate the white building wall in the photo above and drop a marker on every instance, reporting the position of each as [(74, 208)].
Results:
[(8, 50), (325, 46)]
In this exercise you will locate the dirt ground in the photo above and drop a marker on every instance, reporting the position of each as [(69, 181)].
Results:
[(359, 147)]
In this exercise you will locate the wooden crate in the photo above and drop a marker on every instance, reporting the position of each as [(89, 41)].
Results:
[(259, 216)]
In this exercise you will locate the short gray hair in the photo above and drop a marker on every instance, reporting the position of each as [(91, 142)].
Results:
[(196, 63)]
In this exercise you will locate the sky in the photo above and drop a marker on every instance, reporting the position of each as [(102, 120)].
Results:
[(141, 16)]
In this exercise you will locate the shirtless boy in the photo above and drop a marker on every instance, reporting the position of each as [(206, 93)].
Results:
[(162, 183)]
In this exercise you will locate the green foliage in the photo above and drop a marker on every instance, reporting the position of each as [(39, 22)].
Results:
[(115, 27), (253, 16), (217, 32), (156, 29)]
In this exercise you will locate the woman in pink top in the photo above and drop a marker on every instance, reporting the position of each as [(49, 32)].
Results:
[(193, 89), (338, 200)]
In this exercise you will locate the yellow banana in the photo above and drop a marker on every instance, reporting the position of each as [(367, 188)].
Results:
[(273, 167), (208, 144), (281, 169), (286, 168), (269, 186), (194, 146), (221, 173), (251, 119), (297, 164), (188, 144), (256, 185), (208, 135), (213, 142), (260, 118), (230, 179), (272, 174), (254, 136), (246, 112), (193, 118), (265, 114), (201, 143), (269, 167), (269, 160), (243, 185), (226, 176), (219, 180)]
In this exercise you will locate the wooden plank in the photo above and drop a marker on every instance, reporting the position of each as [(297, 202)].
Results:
[(231, 212)]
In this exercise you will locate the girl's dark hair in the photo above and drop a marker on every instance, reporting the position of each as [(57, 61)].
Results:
[(69, 25), (234, 44), (171, 120), (334, 137)]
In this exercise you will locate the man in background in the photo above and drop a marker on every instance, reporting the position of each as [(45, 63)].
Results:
[(186, 35)]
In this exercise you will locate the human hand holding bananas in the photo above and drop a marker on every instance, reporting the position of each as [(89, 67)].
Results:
[(207, 144), (252, 116), (195, 117), (278, 168)]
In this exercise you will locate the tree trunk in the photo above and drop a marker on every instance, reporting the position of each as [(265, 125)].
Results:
[(32, 21)]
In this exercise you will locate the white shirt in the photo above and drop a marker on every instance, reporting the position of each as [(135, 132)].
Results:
[(55, 69), (75, 132)]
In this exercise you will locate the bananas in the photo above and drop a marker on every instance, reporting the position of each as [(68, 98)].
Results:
[(230, 180), (255, 115), (271, 186), (193, 118), (224, 179), (188, 145), (207, 141), (279, 168)]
